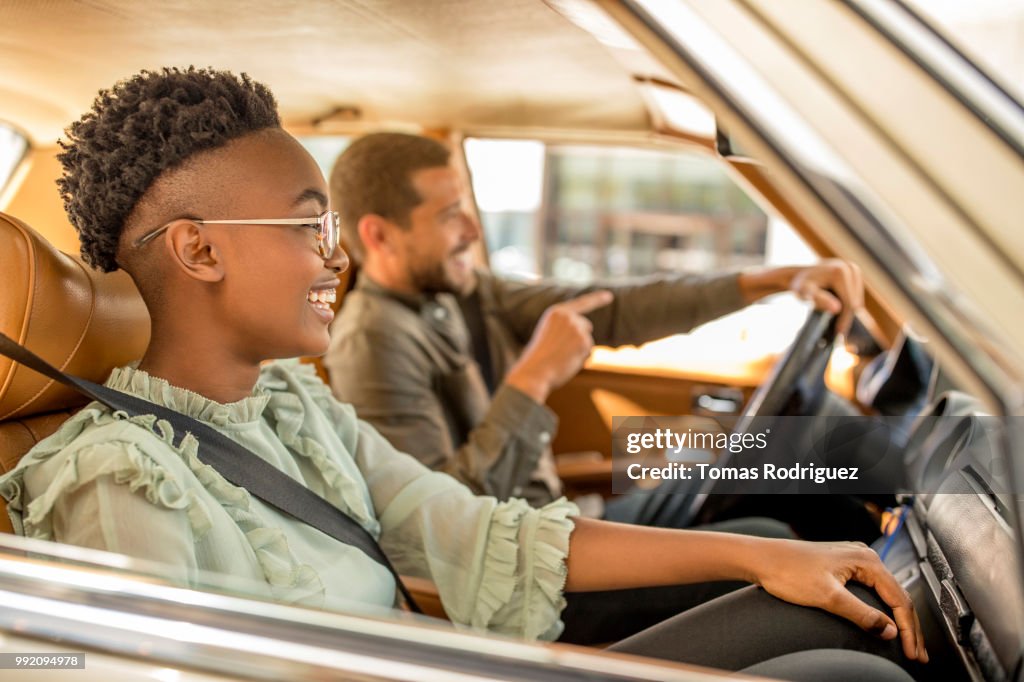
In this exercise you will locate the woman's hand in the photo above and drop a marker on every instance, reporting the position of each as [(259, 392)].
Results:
[(815, 574), (612, 556)]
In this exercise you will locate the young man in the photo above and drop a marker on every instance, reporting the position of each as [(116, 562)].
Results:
[(454, 365)]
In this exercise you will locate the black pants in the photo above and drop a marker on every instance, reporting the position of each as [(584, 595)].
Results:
[(834, 665), (749, 630)]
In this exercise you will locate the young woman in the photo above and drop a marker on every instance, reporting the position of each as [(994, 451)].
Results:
[(185, 179)]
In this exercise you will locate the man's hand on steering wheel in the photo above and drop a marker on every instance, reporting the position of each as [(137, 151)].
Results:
[(832, 285)]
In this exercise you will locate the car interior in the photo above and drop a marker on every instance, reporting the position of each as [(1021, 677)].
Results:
[(946, 520), (956, 552)]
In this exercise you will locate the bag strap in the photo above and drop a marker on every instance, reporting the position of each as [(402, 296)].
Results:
[(235, 463)]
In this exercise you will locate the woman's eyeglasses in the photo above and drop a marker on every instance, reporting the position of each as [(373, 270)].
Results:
[(327, 226)]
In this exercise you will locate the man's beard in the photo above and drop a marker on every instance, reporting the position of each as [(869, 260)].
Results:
[(435, 280)]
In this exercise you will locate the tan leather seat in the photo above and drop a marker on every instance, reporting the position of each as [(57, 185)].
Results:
[(78, 319)]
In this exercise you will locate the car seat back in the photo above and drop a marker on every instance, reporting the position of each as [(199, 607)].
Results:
[(80, 320)]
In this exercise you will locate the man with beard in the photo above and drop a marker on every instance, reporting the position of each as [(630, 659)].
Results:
[(453, 365)]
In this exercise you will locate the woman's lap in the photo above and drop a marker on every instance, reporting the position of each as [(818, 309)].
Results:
[(834, 665), (602, 617), (748, 627)]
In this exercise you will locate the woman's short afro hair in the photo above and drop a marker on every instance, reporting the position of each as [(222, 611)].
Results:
[(140, 128)]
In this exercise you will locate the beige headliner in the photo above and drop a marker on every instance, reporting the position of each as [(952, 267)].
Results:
[(438, 63)]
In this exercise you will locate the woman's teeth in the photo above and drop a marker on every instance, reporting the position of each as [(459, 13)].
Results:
[(322, 298)]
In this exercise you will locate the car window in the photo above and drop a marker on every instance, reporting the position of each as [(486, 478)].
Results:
[(579, 214), (13, 146), (325, 149)]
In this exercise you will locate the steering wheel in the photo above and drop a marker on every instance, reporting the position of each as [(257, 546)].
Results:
[(795, 386), (795, 382)]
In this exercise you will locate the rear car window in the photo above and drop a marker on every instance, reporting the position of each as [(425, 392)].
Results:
[(13, 146), (584, 213)]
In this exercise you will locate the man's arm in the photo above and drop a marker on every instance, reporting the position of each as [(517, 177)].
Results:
[(559, 346), (641, 311), (660, 306), (389, 381)]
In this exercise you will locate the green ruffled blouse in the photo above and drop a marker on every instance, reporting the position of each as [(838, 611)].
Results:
[(111, 482)]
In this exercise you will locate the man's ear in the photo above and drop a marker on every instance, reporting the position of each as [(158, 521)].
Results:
[(192, 252), (376, 232)]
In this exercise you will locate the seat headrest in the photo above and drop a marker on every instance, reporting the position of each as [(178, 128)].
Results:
[(80, 320)]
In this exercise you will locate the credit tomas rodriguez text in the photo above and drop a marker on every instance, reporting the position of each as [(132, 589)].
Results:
[(684, 472)]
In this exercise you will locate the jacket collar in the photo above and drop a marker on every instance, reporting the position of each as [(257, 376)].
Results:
[(415, 302), (367, 285)]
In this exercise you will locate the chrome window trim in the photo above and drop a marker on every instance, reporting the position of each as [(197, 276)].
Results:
[(92, 609), (920, 41)]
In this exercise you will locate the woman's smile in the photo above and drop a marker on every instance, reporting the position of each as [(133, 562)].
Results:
[(321, 299)]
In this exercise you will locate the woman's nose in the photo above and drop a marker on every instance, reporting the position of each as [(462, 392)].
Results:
[(337, 261)]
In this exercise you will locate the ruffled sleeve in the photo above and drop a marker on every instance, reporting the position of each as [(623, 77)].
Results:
[(497, 566), (521, 588), (95, 445), (145, 495)]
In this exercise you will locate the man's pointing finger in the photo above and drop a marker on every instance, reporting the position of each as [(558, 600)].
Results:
[(589, 302)]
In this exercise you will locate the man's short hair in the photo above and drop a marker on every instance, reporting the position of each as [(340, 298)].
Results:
[(374, 176), (141, 128)]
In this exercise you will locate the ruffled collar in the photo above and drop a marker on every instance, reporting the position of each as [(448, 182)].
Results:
[(156, 390)]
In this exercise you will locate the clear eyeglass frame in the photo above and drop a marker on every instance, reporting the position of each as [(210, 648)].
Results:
[(327, 225)]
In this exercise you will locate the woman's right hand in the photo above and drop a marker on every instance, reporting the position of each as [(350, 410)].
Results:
[(816, 573)]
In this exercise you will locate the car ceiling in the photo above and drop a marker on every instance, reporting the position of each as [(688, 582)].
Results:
[(439, 64)]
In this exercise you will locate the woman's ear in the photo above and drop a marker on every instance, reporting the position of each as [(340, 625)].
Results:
[(192, 252)]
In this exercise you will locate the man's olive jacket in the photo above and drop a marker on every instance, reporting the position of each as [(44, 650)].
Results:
[(407, 365)]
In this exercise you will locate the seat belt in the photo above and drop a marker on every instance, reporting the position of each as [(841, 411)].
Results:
[(237, 464)]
